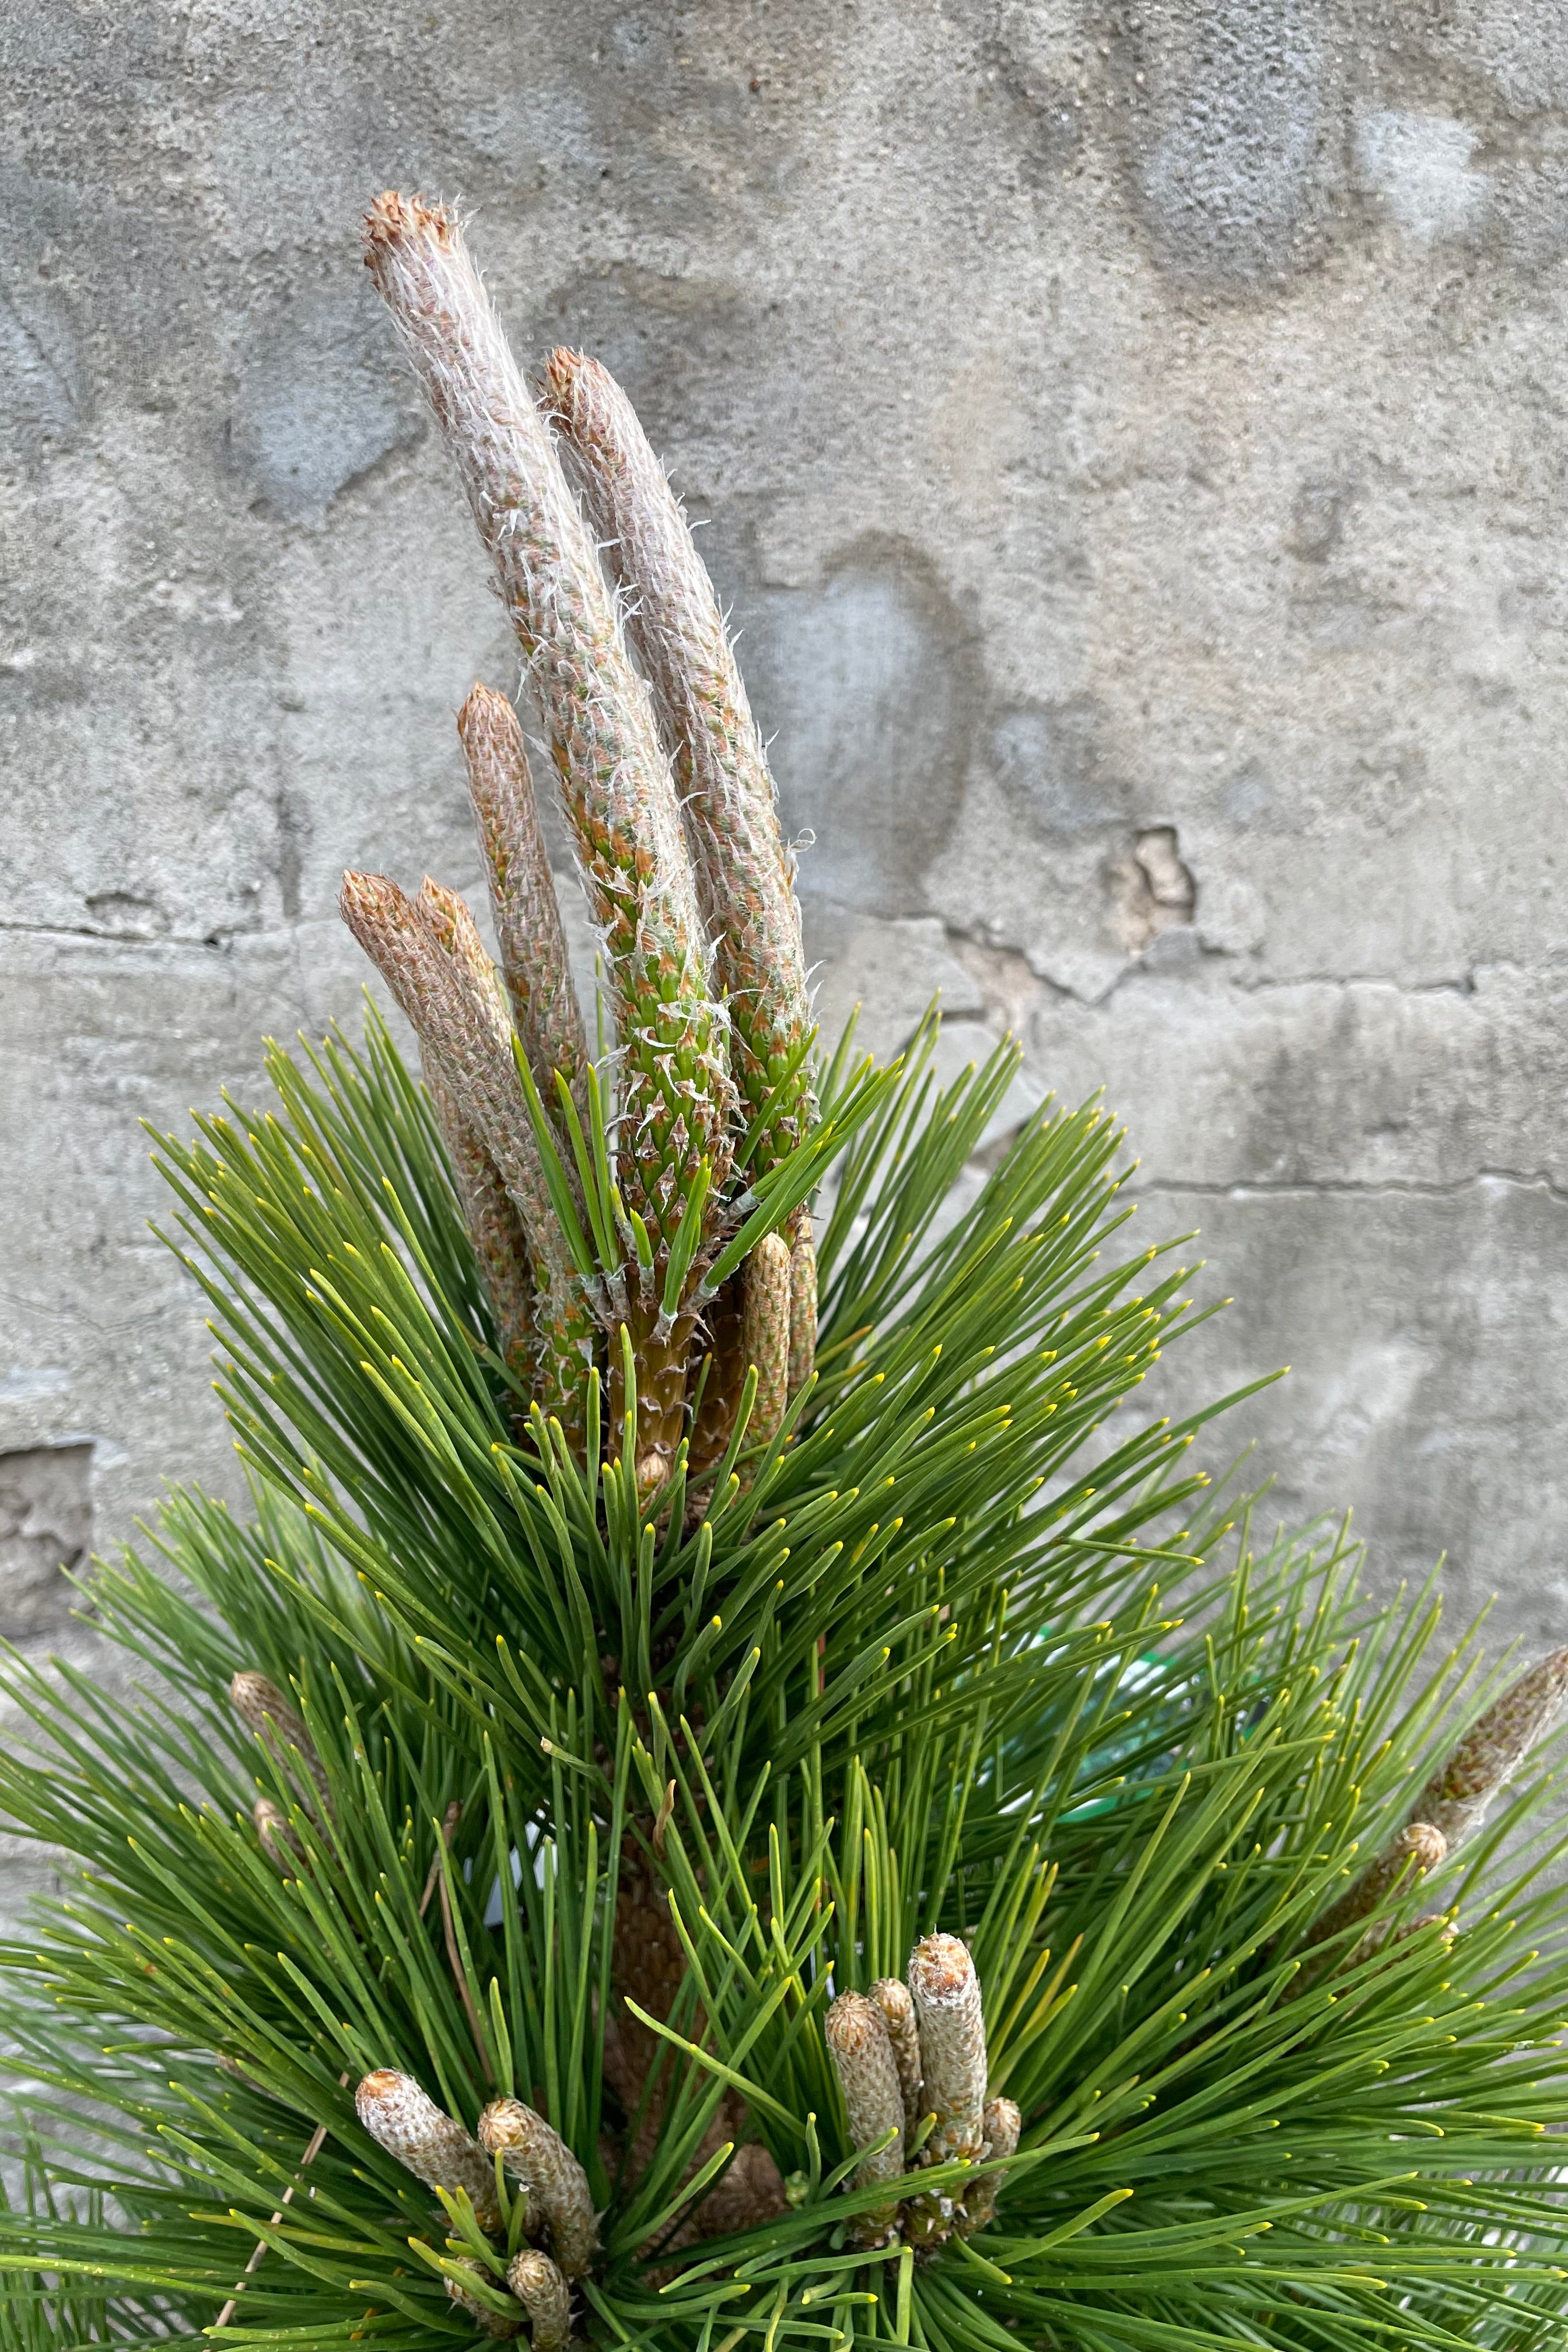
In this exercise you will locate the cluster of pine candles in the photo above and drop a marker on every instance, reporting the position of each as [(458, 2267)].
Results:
[(909, 2056), (715, 1802), (670, 1252)]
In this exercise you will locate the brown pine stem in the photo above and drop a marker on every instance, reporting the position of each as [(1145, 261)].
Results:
[(1409, 1854), (449, 1820), (313, 2147), (488, 2323), (277, 1841), (659, 1357), (494, 1227), (563, 1327), (713, 1425), (648, 1966), (752, 1320)]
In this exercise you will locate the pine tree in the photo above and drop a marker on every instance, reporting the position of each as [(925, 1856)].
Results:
[(719, 1798)]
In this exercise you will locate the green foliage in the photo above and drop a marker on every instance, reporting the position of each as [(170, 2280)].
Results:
[(953, 1650)]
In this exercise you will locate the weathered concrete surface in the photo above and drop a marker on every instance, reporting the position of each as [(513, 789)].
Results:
[(1134, 445)]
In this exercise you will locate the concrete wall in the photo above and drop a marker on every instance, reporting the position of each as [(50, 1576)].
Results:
[(1134, 444)]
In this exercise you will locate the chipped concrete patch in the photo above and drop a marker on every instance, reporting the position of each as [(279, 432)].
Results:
[(1152, 890), (1419, 168), (46, 1527)]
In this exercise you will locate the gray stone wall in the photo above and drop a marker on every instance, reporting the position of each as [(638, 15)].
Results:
[(1133, 442)]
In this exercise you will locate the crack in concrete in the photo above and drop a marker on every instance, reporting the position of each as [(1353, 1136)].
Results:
[(1008, 968), (1309, 1187), (1255, 983), (1258, 984), (216, 940)]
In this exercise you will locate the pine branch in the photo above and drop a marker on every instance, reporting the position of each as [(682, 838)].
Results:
[(828, 1839)]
